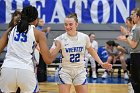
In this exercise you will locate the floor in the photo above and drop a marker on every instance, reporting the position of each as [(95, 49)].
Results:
[(109, 80), (115, 78), (113, 84), (99, 85)]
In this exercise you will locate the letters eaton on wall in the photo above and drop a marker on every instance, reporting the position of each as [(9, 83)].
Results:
[(89, 11)]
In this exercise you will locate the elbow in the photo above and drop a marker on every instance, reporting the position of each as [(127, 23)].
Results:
[(133, 46), (47, 60)]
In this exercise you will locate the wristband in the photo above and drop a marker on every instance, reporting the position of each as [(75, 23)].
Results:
[(126, 36)]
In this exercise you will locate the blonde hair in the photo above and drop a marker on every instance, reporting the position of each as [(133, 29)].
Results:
[(136, 10)]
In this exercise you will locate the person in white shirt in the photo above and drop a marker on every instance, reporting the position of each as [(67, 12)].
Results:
[(89, 58), (19, 58), (73, 45)]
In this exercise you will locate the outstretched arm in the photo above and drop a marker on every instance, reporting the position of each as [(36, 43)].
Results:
[(43, 45), (96, 57), (55, 48), (4, 40)]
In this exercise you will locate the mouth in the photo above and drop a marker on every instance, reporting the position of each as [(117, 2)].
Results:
[(69, 30)]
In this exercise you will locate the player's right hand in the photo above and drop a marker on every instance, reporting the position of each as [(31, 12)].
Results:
[(107, 65)]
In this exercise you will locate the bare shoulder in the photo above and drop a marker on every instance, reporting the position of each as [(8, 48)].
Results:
[(38, 34)]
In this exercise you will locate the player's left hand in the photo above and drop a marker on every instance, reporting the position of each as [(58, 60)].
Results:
[(121, 38), (123, 30)]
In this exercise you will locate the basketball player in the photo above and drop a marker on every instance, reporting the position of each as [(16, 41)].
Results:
[(73, 45), (20, 54), (88, 57)]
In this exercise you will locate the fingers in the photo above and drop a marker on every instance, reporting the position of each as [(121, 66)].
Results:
[(123, 30), (108, 66), (121, 38)]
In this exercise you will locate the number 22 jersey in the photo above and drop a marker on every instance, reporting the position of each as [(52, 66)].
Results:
[(73, 49)]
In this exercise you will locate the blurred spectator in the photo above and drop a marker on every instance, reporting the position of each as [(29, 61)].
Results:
[(116, 52), (41, 68), (40, 26), (15, 19), (89, 58)]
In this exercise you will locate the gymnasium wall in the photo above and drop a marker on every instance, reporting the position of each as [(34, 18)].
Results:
[(103, 32)]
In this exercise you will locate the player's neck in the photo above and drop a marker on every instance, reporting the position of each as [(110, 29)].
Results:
[(73, 34)]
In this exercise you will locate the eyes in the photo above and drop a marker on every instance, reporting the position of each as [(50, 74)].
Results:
[(68, 24)]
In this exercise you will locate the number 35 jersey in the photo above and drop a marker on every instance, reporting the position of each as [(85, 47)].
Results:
[(73, 49), (20, 49)]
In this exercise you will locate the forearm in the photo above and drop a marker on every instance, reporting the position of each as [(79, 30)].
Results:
[(95, 55), (131, 43), (54, 52), (44, 30), (3, 41), (55, 49), (99, 61)]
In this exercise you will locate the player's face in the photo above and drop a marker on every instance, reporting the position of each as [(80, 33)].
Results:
[(132, 15), (128, 23), (136, 18), (70, 26), (108, 47), (16, 19), (92, 37), (41, 22)]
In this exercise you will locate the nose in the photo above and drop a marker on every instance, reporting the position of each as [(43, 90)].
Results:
[(67, 26)]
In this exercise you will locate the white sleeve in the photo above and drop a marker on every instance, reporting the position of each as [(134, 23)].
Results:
[(96, 45), (88, 43), (53, 45)]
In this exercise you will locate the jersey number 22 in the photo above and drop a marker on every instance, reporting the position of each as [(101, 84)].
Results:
[(75, 57)]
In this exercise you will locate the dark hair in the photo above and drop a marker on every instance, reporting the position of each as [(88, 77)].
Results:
[(73, 15), (28, 14), (112, 43), (91, 34), (129, 19), (11, 24)]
